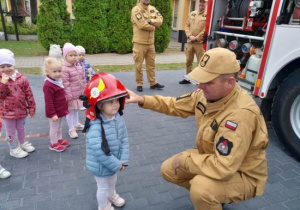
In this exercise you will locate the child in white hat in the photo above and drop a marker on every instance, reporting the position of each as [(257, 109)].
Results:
[(88, 71), (16, 101)]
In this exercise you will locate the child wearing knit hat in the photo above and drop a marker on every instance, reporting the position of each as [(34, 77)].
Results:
[(16, 100), (74, 83), (89, 72)]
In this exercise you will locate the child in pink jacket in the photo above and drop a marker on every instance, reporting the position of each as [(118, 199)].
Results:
[(74, 83), (16, 101)]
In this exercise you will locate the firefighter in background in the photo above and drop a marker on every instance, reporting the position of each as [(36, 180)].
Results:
[(228, 163), (145, 19), (194, 30)]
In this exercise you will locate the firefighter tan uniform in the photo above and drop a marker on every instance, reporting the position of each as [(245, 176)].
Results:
[(228, 163), (195, 25), (143, 40)]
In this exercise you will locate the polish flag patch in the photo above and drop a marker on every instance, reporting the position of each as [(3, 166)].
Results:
[(231, 125)]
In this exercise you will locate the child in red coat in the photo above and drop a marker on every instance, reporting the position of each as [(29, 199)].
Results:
[(55, 103), (16, 101)]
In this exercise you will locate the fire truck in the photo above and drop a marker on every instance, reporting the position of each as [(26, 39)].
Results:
[(265, 36)]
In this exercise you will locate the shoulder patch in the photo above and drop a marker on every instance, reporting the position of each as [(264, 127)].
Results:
[(214, 125), (152, 11), (136, 11), (138, 16), (201, 107), (224, 146), (158, 14), (231, 125), (183, 96)]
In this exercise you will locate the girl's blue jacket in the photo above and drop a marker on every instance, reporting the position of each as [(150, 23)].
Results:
[(97, 162)]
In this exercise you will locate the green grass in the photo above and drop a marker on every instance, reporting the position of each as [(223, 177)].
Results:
[(112, 68), (24, 48)]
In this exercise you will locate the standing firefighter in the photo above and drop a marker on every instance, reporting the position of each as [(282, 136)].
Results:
[(145, 19), (194, 30)]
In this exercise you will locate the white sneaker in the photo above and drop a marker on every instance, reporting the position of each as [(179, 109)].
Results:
[(82, 108), (26, 146), (79, 127), (18, 153), (73, 134), (4, 174), (108, 207), (116, 200)]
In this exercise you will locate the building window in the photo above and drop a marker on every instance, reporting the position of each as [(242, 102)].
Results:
[(27, 6), (175, 13), (192, 5)]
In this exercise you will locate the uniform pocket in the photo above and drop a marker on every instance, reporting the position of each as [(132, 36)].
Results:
[(208, 141), (135, 54)]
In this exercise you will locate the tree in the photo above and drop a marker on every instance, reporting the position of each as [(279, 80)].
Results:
[(119, 25), (90, 26), (52, 25), (163, 33)]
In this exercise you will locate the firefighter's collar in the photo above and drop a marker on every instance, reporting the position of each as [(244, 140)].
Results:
[(144, 6)]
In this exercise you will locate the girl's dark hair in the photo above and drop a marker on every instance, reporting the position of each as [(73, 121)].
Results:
[(104, 144)]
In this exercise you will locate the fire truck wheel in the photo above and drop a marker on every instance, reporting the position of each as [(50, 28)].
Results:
[(286, 113)]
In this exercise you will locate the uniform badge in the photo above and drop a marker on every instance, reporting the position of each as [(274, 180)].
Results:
[(231, 125), (201, 107), (152, 11), (183, 96), (136, 11), (204, 60), (224, 146), (214, 125), (138, 16)]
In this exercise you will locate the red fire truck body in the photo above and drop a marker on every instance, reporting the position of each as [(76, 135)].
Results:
[(265, 35)]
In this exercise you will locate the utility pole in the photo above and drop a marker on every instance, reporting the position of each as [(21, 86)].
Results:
[(3, 22)]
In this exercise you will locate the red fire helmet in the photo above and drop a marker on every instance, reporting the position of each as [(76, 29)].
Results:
[(103, 87)]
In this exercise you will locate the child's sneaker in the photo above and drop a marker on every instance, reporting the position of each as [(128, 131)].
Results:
[(108, 207), (57, 147), (18, 153), (26, 146), (4, 174), (116, 200), (64, 142), (79, 127), (73, 134)]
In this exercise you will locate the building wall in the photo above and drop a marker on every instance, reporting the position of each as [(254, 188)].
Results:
[(181, 10)]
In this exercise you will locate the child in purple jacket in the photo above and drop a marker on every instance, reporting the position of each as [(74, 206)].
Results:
[(88, 71), (55, 103)]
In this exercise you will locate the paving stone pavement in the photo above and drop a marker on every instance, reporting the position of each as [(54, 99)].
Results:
[(48, 180)]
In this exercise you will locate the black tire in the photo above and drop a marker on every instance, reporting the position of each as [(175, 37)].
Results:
[(284, 124)]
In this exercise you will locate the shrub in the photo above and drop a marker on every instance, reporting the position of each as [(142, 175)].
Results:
[(90, 26), (163, 33), (23, 28), (52, 25), (120, 27)]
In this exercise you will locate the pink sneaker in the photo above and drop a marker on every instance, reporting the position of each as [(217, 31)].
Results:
[(64, 142), (57, 147)]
